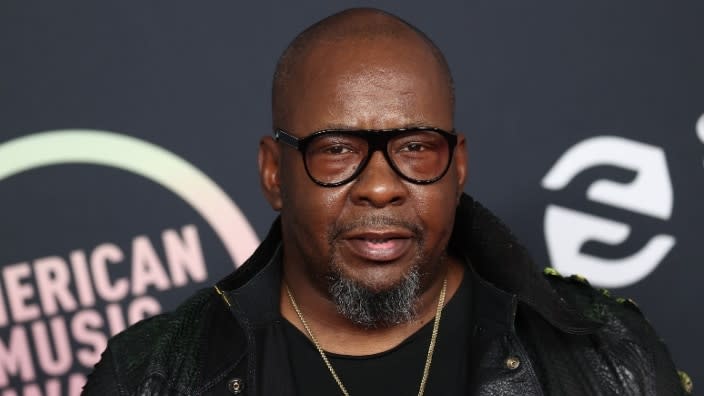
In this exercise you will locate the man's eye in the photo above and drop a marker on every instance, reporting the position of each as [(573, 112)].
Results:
[(414, 147), (337, 149)]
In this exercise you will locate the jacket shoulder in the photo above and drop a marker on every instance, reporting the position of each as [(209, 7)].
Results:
[(174, 353), (626, 336)]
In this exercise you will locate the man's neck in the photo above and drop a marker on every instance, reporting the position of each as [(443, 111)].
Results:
[(339, 335)]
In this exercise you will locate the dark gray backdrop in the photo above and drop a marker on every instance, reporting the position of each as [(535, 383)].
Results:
[(532, 79)]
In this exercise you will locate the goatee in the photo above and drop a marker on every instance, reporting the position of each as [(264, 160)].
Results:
[(371, 309), (363, 305)]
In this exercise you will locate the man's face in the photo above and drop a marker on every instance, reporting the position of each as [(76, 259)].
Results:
[(377, 228)]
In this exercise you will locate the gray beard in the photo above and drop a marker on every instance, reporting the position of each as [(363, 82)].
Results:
[(370, 309)]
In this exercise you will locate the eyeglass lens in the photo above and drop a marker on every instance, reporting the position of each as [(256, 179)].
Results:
[(418, 155)]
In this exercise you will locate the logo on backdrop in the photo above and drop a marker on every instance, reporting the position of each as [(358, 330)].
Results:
[(43, 312), (649, 193)]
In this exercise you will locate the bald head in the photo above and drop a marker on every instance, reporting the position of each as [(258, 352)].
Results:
[(348, 28)]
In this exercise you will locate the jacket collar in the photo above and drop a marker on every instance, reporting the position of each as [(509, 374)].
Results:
[(500, 261), (253, 290), (501, 269)]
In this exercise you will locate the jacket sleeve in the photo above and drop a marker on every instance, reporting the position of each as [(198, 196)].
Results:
[(626, 336), (668, 380), (103, 380)]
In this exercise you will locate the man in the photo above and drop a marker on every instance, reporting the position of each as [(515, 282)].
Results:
[(380, 276)]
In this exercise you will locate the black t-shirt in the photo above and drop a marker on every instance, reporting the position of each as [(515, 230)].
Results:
[(397, 371)]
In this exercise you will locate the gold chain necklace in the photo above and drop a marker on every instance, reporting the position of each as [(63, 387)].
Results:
[(428, 359)]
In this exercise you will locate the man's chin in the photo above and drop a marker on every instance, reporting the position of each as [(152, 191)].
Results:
[(374, 276), (376, 304)]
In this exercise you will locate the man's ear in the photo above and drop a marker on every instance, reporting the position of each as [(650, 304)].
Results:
[(269, 168), (461, 164)]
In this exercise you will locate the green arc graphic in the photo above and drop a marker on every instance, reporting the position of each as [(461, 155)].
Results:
[(141, 158)]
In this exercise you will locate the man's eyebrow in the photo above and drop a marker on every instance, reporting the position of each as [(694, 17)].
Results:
[(416, 124), (413, 124), (337, 126)]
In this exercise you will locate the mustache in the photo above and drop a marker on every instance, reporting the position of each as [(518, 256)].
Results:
[(373, 221)]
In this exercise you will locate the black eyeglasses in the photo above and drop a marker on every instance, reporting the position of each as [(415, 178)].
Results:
[(333, 157)]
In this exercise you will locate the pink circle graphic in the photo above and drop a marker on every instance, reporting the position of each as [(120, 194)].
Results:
[(141, 158)]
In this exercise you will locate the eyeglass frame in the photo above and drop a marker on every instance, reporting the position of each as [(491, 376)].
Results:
[(377, 140)]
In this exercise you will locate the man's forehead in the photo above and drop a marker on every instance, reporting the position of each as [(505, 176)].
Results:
[(347, 56), (378, 62), (372, 84)]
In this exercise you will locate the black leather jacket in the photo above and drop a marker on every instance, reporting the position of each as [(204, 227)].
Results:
[(535, 334)]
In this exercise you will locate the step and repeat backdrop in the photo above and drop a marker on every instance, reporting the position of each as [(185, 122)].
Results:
[(129, 130)]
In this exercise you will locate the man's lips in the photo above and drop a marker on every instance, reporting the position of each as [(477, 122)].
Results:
[(380, 246)]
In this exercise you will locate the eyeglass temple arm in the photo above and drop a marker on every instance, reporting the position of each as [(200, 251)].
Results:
[(284, 137)]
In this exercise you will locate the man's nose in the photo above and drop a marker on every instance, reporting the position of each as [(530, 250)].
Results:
[(378, 185)]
